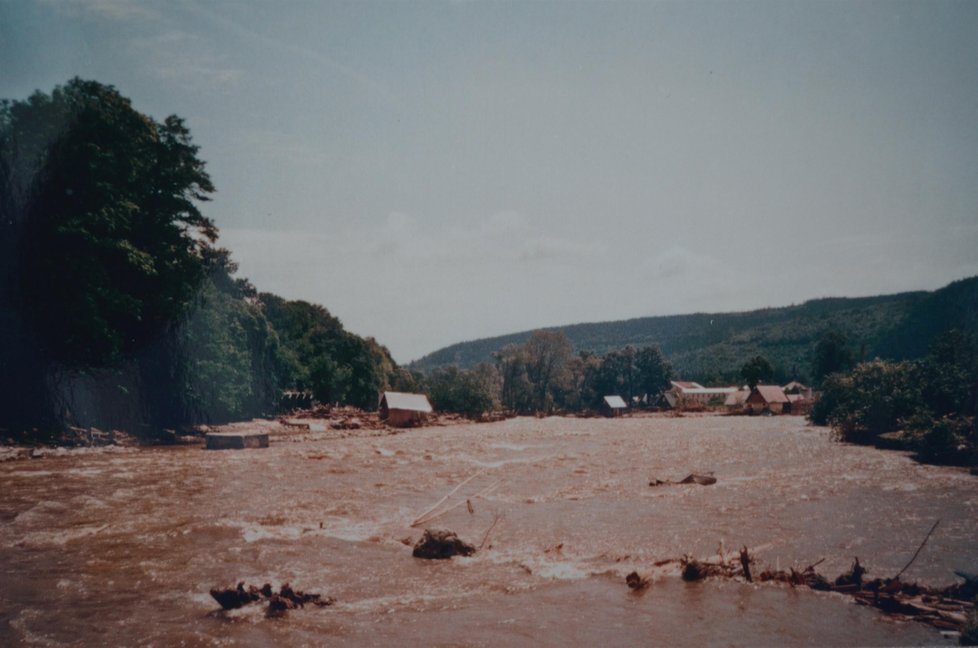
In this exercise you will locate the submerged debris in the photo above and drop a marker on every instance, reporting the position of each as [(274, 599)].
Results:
[(233, 598), (694, 570), (703, 480), (950, 608), (279, 603), (441, 545), (636, 581)]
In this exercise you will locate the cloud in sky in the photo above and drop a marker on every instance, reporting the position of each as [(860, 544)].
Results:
[(433, 173), (111, 9)]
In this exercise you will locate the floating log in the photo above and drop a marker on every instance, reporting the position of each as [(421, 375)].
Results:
[(692, 478)]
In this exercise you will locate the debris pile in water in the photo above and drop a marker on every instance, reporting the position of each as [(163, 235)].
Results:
[(232, 598), (441, 545), (947, 608)]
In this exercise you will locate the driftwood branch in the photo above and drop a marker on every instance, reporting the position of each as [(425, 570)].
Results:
[(418, 519), (491, 527), (917, 553)]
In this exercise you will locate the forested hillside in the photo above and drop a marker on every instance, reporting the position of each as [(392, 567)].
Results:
[(712, 347), (118, 309)]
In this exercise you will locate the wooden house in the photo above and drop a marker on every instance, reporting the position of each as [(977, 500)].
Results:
[(613, 406), (404, 410), (767, 398)]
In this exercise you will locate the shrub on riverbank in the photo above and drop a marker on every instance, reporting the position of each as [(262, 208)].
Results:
[(933, 401)]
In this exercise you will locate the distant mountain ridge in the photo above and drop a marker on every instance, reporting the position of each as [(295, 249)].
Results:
[(713, 346)]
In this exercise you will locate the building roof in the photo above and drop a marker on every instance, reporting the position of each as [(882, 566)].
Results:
[(797, 398), (685, 384), (771, 393), (615, 402), (716, 391), (794, 384), (409, 402)]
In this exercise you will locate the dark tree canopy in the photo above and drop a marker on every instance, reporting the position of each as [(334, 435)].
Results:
[(756, 370), (832, 355), (111, 239)]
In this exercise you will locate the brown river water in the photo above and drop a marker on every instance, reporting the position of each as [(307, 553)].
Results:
[(121, 548)]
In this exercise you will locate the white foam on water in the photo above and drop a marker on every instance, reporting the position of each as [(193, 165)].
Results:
[(338, 528), (84, 472), (124, 494), (499, 463), (343, 529), (87, 501), (60, 538), (255, 532), (20, 625), (41, 514), (905, 487), (542, 566), (390, 604), (562, 570), (30, 473), (248, 613), (12, 454), (518, 447)]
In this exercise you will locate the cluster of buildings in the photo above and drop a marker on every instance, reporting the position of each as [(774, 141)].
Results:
[(794, 398), (406, 410)]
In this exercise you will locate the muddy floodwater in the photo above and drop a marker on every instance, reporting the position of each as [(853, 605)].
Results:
[(121, 548)]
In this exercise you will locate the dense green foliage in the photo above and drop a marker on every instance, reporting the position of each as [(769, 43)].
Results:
[(226, 362), (640, 374), (466, 391), (116, 308), (832, 355), (544, 376), (711, 348), (933, 400), (321, 357), (112, 238)]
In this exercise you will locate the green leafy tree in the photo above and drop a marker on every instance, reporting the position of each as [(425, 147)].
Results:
[(469, 392), (615, 373), (102, 243), (512, 363), (548, 367), (222, 362), (874, 398), (334, 364), (112, 239), (831, 355), (653, 373), (756, 370)]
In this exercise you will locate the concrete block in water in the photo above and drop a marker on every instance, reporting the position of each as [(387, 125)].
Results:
[(236, 440)]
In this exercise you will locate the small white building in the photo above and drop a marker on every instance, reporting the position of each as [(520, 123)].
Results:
[(613, 406), (401, 409), (684, 394)]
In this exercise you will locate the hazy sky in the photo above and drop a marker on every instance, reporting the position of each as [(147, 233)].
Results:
[(436, 172)]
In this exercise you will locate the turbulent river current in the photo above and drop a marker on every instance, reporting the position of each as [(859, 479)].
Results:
[(122, 548)]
